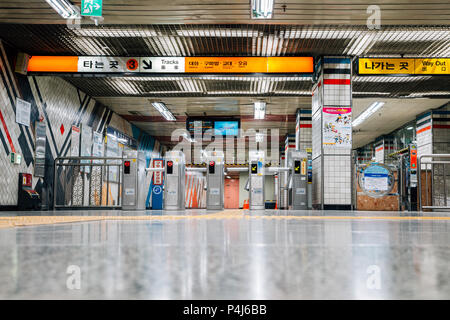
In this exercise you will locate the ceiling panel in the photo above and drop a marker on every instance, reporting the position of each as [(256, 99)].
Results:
[(229, 40), (394, 114), (235, 11)]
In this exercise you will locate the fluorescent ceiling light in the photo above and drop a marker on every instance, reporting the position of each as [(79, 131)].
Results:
[(262, 9), (114, 32), (161, 107), (374, 107), (260, 110), (227, 32), (410, 128), (64, 8)]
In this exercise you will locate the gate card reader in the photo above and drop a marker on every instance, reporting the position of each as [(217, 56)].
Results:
[(256, 180), (298, 195), (175, 179), (28, 198), (134, 189), (215, 180)]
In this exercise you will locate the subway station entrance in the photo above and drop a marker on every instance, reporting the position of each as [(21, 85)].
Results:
[(213, 150)]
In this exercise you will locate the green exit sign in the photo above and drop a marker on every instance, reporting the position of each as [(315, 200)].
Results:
[(91, 8)]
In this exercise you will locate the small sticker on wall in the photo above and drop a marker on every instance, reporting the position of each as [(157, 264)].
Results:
[(129, 192), (215, 191)]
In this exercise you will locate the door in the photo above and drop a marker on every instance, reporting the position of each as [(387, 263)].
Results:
[(231, 193)]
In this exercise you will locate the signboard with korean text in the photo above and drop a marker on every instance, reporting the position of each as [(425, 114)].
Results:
[(41, 142), (411, 66), (337, 127), (158, 175), (102, 64)]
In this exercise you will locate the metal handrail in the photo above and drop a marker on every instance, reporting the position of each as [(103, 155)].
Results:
[(419, 178), (59, 161)]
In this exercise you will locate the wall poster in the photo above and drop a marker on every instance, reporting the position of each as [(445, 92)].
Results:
[(41, 142), (75, 142), (23, 111), (337, 127)]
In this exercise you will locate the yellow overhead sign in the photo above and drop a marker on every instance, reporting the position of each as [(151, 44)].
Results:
[(430, 66)]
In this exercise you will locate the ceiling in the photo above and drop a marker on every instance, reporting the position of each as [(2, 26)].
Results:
[(394, 12), (246, 39), (280, 113), (394, 114), (235, 40)]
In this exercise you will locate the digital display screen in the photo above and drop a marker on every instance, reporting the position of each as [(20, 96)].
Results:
[(226, 128)]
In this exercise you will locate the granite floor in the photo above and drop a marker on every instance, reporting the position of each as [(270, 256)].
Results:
[(333, 255)]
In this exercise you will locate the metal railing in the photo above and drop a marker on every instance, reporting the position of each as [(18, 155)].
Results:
[(434, 175), (87, 182)]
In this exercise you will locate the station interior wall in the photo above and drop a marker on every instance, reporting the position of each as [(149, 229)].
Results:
[(60, 105)]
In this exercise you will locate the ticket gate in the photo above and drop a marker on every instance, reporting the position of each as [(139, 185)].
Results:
[(134, 188), (256, 179), (175, 179), (298, 179), (215, 180), (256, 176), (28, 198), (408, 171)]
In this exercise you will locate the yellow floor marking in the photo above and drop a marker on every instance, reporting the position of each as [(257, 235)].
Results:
[(18, 221)]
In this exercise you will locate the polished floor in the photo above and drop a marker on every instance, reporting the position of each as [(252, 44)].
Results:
[(229, 255)]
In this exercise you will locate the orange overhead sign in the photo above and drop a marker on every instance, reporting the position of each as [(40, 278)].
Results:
[(249, 65), (53, 64), (102, 64)]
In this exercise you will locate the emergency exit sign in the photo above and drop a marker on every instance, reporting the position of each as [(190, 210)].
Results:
[(91, 8)]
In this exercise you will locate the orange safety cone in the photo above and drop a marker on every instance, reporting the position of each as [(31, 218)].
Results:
[(276, 205), (246, 205)]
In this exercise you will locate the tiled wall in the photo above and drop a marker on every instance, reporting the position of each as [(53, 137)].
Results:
[(303, 129), (331, 163), (58, 104), (441, 145)]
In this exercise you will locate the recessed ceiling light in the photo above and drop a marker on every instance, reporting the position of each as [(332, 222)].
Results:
[(374, 107), (161, 107), (64, 8)]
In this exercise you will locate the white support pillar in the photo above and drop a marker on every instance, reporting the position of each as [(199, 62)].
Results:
[(332, 134)]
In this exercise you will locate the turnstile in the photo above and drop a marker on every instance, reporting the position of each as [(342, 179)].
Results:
[(175, 179), (298, 180), (256, 180), (215, 180), (407, 177), (134, 189)]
